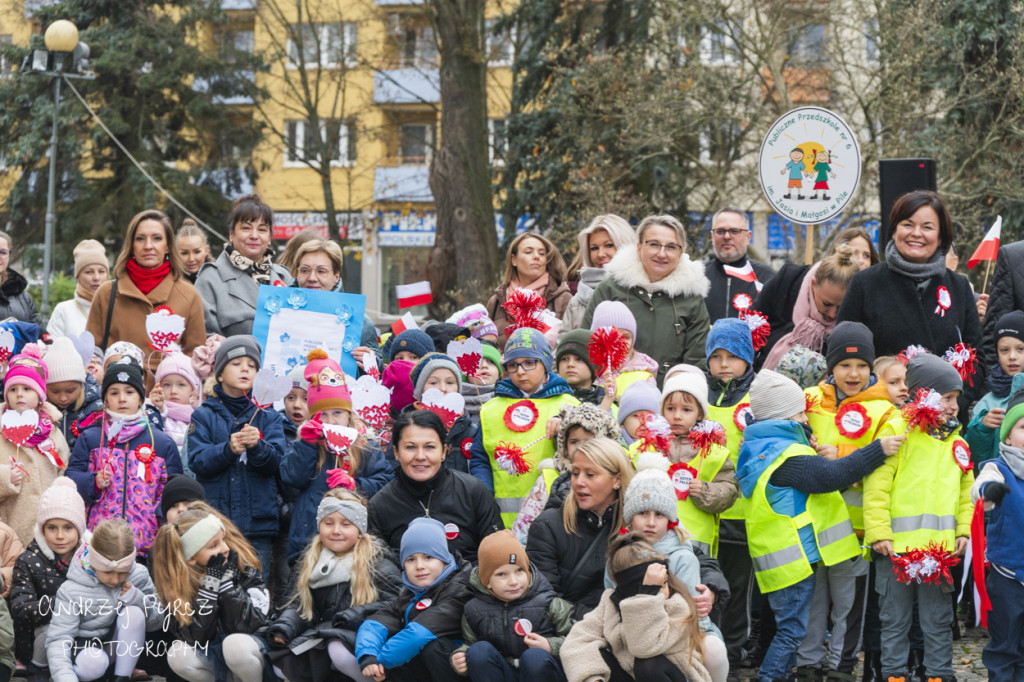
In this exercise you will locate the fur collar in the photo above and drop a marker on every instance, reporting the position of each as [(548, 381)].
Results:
[(688, 279)]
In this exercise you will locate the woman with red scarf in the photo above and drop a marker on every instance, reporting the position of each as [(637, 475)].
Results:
[(147, 274)]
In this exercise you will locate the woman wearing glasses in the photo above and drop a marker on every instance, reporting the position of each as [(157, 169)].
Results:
[(663, 289), (14, 300)]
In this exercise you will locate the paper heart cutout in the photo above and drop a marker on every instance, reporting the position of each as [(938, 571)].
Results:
[(268, 388), (18, 428), (467, 354), (339, 438), (85, 346), (371, 400), (6, 344), (164, 329), (447, 406)]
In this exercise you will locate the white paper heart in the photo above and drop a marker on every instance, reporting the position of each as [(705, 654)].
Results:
[(268, 388), (467, 354), (371, 400), (164, 329), (6, 344), (18, 428), (339, 438), (447, 406)]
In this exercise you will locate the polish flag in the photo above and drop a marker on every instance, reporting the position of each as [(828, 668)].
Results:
[(417, 293), (746, 273), (989, 246), (403, 323)]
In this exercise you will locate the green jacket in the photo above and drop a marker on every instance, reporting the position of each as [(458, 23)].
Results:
[(671, 317)]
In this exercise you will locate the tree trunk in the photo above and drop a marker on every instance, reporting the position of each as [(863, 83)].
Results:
[(463, 264)]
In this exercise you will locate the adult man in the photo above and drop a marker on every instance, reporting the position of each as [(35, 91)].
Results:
[(1006, 293), (730, 271)]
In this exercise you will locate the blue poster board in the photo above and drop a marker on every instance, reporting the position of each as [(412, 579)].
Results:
[(291, 322)]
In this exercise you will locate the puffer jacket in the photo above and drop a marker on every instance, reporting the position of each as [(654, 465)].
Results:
[(241, 605), (671, 311), (242, 486), (86, 608), (984, 442), (15, 301), (556, 294), (298, 470), (90, 401), (38, 574), (130, 497), (1006, 294)]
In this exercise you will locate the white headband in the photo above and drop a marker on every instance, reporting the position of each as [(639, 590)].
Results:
[(201, 532), (102, 563)]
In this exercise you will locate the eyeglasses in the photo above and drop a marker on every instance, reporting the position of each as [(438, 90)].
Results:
[(4, 253), (656, 247), (527, 365), (306, 271), (722, 232)]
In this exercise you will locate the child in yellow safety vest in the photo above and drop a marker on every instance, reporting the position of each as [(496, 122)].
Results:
[(846, 411), (796, 517), (638, 366), (920, 501)]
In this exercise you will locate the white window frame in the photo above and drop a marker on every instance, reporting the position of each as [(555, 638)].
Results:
[(506, 39), (347, 32), (726, 47), (429, 139), (345, 139)]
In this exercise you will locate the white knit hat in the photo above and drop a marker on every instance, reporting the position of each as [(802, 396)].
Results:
[(687, 382), (62, 501), (64, 361), (773, 396)]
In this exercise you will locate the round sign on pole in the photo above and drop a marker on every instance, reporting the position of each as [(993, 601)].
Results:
[(809, 165)]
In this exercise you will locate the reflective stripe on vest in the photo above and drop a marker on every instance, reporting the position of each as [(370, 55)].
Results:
[(908, 524), (726, 416)]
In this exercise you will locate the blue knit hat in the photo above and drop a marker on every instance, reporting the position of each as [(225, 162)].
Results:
[(528, 343), (426, 536), (413, 340), (731, 334)]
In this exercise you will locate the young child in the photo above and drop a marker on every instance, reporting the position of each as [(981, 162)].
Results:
[(849, 409), (180, 491), (649, 507), (572, 360), (475, 319), (638, 367), (438, 371), (102, 611), (636, 404), (893, 375), (923, 481), (116, 352), (648, 622), (177, 391), (410, 345), (69, 388), (208, 578), (311, 468), (479, 389), (27, 470), (235, 448), (796, 516), (121, 462), (42, 569), (982, 433), (522, 413), (514, 625), (345, 575), (412, 637), (296, 403), (1001, 484)]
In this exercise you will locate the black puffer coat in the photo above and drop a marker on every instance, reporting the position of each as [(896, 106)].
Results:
[(38, 573), (15, 301)]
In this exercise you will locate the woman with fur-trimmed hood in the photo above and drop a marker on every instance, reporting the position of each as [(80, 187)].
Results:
[(664, 290)]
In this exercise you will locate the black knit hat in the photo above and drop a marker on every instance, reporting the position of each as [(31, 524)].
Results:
[(180, 488), (1010, 324), (575, 342), (850, 340), (124, 371)]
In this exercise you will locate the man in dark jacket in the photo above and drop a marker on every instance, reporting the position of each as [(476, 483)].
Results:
[(1006, 294), (730, 271)]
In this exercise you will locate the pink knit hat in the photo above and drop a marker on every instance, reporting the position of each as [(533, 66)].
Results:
[(27, 370), (327, 389), (62, 501), (396, 377), (180, 364)]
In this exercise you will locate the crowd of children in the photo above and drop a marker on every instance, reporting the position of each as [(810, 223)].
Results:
[(533, 516)]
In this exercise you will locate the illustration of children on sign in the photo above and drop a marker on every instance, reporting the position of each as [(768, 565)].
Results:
[(810, 161), (795, 167), (823, 168)]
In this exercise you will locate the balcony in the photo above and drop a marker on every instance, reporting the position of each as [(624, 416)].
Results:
[(402, 183), (407, 86)]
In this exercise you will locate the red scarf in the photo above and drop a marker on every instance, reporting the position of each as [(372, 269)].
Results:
[(147, 279)]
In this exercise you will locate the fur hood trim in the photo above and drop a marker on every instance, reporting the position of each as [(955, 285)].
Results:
[(590, 417), (688, 279)]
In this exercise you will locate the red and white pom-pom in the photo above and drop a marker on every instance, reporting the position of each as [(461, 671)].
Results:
[(908, 353), (760, 329), (524, 307), (930, 566), (925, 411), (467, 354), (964, 360), (511, 458), (655, 433), (608, 348), (704, 434)]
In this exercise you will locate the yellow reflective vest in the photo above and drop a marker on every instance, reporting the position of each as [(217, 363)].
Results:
[(774, 540), (731, 418), (511, 490), (919, 495)]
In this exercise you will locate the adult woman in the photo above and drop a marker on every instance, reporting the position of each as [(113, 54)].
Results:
[(912, 298), (147, 274), (864, 251), (14, 300), (598, 243), (91, 270), (289, 257), (423, 487), (801, 303), (663, 289), (569, 543), (193, 249), (534, 263), (231, 284)]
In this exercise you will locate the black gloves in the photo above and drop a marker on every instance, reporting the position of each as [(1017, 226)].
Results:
[(995, 491)]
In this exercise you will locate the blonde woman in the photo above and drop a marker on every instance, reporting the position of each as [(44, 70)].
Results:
[(598, 243)]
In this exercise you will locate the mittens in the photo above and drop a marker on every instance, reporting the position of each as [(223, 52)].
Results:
[(339, 478), (312, 431), (994, 492)]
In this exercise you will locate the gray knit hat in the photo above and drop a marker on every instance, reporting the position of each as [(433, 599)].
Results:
[(237, 346), (639, 395), (773, 396), (351, 510), (930, 371), (426, 366), (650, 490)]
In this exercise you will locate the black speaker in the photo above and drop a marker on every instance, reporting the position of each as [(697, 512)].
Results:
[(896, 177)]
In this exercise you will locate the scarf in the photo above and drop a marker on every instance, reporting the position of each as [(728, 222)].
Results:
[(147, 279), (121, 428), (42, 431), (260, 270), (728, 393), (629, 582), (236, 406), (84, 293), (555, 385), (999, 382), (810, 328), (330, 569), (919, 272), (539, 285), (1014, 458), (178, 412)]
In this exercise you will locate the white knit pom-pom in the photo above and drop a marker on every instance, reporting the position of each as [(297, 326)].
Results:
[(652, 460)]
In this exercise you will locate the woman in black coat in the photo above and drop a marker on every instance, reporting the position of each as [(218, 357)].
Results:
[(14, 299)]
